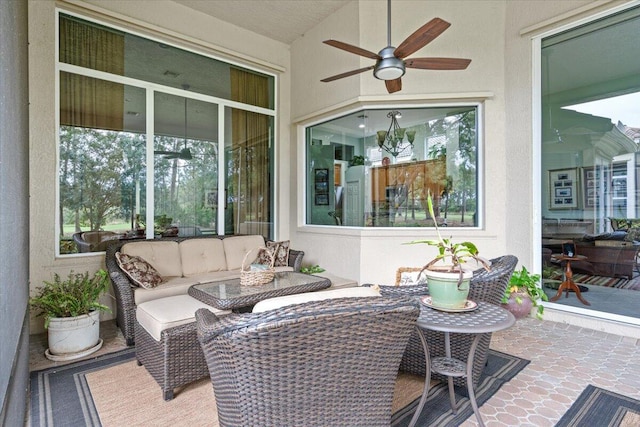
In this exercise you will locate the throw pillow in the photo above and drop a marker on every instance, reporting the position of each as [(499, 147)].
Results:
[(139, 271), (266, 256), (281, 254)]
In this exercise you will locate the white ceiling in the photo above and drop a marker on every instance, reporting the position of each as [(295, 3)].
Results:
[(281, 20)]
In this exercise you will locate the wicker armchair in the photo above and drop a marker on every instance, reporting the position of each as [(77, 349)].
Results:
[(488, 286), (322, 363)]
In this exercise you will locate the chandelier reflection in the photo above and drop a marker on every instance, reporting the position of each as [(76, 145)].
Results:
[(393, 140)]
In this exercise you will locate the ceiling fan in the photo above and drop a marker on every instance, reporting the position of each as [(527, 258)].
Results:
[(185, 153), (391, 64)]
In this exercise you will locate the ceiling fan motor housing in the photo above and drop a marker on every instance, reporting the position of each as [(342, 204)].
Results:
[(389, 67)]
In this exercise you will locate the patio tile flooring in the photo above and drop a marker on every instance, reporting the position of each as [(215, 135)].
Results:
[(564, 360)]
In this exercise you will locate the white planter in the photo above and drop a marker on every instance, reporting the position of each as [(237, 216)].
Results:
[(73, 337)]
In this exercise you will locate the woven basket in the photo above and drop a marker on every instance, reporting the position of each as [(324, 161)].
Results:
[(256, 278)]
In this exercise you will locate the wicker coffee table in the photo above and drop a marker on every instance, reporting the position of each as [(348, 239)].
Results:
[(229, 294)]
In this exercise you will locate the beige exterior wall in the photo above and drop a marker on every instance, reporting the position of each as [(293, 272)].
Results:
[(499, 77), (179, 25)]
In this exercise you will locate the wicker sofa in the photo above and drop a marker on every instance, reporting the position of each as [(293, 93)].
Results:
[(182, 262)]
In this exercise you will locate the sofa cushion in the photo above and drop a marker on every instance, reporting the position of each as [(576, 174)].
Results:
[(163, 256), (277, 302), (202, 256), (180, 285), (236, 247), (140, 272), (164, 313)]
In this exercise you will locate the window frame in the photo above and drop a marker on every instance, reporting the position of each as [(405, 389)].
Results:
[(150, 90)]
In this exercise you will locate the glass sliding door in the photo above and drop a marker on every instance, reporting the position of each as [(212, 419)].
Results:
[(589, 161), (185, 166)]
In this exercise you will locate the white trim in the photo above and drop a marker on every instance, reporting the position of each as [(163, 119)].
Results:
[(389, 101), (536, 134), (600, 10)]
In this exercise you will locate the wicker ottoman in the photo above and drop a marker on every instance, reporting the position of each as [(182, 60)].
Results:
[(167, 343)]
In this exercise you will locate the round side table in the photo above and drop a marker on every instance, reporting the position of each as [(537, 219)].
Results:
[(484, 319)]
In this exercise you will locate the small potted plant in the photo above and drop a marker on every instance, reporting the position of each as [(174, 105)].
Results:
[(311, 269), (449, 282), (523, 293), (71, 311)]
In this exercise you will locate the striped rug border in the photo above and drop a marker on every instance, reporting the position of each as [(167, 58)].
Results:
[(599, 407)]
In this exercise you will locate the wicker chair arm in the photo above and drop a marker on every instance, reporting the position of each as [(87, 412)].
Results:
[(295, 259)]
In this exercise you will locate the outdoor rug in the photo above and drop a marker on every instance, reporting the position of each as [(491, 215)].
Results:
[(609, 282), (111, 390), (501, 367), (599, 407)]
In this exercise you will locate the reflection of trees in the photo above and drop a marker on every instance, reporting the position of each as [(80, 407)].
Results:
[(181, 185), (461, 188), (91, 172)]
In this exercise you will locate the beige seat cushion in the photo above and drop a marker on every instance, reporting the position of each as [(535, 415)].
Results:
[(273, 303), (164, 313), (163, 256), (202, 256), (236, 247)]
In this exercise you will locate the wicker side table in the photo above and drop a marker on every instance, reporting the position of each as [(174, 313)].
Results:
[(484, 319)]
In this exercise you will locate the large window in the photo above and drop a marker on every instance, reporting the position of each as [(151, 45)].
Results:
[(156, 141), (375, 168), (589, 158)]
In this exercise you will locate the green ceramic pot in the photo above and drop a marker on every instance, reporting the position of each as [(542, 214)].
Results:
[(445, 291)]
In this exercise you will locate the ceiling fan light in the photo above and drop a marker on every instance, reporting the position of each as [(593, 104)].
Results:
[(389, 69)]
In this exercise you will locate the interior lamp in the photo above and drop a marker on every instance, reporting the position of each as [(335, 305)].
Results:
[(392, 140)]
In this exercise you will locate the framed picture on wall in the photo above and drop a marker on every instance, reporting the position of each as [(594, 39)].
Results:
[(563, 189), (322, 199), (591, 187), (321, 186)]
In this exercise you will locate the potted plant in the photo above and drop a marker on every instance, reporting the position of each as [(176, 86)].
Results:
[(449, 282), (523, 293), (71, 311), (311, 269)]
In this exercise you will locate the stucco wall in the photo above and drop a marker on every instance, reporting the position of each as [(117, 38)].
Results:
[(14, 213), (374, 255), (178, 23), (491, 34)]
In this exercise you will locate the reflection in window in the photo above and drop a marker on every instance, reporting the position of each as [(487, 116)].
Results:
[(106, 156), (375, 168)]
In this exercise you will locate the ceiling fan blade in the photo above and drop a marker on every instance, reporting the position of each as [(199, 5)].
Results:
[(437, 63), (347, 74), (352, 49), (421, 37), (164, 152), (393, 85)]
